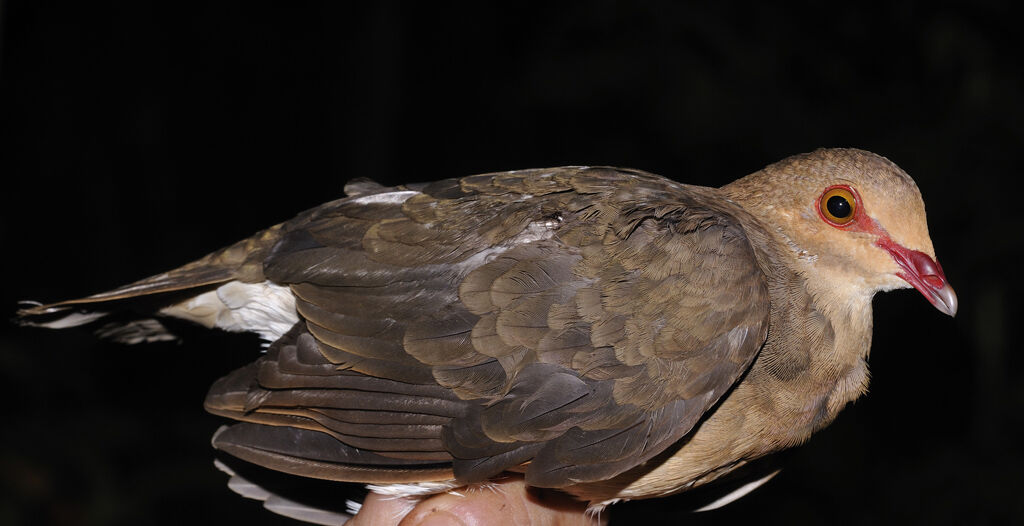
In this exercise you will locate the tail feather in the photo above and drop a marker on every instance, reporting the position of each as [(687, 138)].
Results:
[(128, 310), (328, 513)]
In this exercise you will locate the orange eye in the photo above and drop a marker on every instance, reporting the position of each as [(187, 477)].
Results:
[(838, 205)]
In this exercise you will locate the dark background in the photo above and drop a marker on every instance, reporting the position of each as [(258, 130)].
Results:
[(134, 138)]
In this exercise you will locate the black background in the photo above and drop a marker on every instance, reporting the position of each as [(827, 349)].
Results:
[(134, 138)]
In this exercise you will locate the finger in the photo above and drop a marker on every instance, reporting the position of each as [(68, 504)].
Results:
[(502, 503), (382, 510)]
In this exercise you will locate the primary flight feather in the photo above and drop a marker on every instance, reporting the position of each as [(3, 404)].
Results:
[(608, 332)]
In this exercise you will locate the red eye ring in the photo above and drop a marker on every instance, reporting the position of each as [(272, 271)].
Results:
[(838, 205)]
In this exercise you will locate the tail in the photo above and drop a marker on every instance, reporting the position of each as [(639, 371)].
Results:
[(130, 313)]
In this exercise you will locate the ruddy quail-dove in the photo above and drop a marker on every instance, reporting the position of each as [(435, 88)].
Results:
[(604, 331)]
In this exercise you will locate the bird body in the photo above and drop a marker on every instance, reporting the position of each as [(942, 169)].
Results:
[(608, 332)]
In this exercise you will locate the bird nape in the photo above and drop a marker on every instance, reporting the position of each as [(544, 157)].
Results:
[(607, 332)]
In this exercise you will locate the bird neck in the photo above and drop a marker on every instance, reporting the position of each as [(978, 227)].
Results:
[(815, 359)]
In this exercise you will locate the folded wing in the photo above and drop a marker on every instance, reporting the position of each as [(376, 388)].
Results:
[(573, 321)]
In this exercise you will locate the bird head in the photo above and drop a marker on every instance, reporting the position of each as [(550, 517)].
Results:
[(854, 220)]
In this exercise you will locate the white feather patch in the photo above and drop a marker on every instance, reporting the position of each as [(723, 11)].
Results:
[(536, 231), (304, 513), (739, 492), (73, 319), (414, 489), (352, 507), (281, 505), (385, 197), (265, 308)]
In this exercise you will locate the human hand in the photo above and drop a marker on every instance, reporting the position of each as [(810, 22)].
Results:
[(504, 502)]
